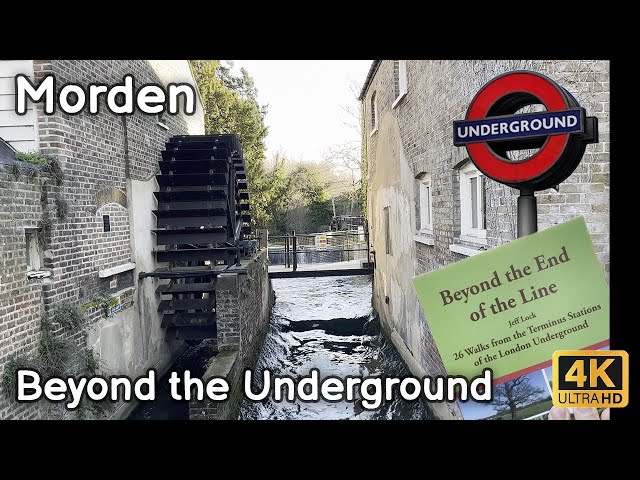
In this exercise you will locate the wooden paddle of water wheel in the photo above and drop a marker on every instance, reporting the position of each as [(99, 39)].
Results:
[(202, 216)]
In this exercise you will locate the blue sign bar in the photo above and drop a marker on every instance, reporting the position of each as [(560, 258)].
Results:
[(512, 127)]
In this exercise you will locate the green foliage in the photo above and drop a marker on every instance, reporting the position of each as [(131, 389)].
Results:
[(59, 357), (68, 315), (46, 227), (279, 193), (287, 195), (297, 197), (54, 357), (88, 410), (10, 375), (37, 158), (104, 301), (54, 354), (62, 207), (91, 362), (231, 106), (309, 192), (364, 166), (56, 170), (14, 172)]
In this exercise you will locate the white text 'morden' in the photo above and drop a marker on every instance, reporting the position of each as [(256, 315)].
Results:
[(120, 98)]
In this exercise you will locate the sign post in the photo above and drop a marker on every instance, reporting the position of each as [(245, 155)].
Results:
[(527, 213), (492, 128)]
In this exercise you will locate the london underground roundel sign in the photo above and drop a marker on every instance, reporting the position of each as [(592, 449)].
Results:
[(558, 135)]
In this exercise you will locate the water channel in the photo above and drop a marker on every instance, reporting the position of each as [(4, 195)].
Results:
[(325, 323)]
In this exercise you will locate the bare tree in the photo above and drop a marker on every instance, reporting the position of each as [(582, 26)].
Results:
[(511, 395), (345, 161)]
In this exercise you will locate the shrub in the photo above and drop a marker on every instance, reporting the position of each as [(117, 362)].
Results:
[(10, 375), (91, 362), (54, 355), (37, 158), (68, 315)]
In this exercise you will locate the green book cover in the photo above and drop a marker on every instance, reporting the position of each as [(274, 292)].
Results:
[(511, 307)]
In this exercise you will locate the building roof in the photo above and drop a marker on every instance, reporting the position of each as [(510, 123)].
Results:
[(7, 152), (372, 71)]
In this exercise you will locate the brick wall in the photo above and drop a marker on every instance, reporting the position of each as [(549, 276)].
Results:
[(21, 305), (439, 92), (243, 309), (97, 153), (416, 137)]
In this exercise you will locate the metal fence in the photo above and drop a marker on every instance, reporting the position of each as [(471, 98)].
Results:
[(326, 247)]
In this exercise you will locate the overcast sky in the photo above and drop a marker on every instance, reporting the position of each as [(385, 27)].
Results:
[(305, 103)]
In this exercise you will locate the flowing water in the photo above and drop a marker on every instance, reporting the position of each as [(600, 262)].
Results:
[(327, 323), (194, 359), (324, 323)]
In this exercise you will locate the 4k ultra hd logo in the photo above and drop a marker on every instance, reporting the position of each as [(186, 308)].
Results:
[(590, 378)]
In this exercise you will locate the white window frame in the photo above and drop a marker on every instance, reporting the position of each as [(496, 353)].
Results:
[(402, 81), (375, 113), (426, 205), (467, 232)]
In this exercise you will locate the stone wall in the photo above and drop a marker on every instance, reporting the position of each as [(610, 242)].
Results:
[(414, 137), (243, 309)]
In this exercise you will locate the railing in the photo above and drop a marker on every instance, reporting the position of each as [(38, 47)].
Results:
[(325, 247)]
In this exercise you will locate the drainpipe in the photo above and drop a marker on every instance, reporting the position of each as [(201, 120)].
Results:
[(129, 194)]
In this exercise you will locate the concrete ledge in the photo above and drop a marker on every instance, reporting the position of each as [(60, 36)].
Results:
[(221, 364), (224, 365), (227, 282), (424, 239), (38, 274), (108, 272), (469, 252)]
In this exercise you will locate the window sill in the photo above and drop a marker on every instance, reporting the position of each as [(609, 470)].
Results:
[(375, 130), (398, 100), (462, 250), (108, 272), (424, 238), (482, 241)]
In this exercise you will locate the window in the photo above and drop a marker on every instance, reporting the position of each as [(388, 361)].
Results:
[(426, 208), (387, 229), (34, 255), (472, 204), (374, 113), (106, 223), (399, 81)]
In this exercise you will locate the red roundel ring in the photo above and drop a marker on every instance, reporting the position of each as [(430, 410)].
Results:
[(486, 159)]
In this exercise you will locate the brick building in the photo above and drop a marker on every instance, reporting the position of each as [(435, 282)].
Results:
[(84, 235), (429, 206)]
